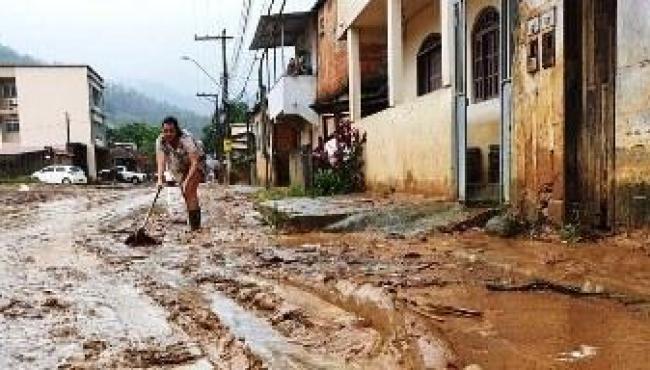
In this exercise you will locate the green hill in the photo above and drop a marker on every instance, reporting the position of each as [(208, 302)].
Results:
[(125, 105)]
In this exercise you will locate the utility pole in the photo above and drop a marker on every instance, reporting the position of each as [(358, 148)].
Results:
[(224, 93), (67, 129), (218, 139)]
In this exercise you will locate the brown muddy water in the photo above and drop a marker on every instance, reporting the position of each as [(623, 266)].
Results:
[(237, 295)]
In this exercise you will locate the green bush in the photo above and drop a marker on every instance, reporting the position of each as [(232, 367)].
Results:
[(296, 191), (328, 182)]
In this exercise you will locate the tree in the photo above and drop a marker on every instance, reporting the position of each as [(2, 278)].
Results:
[(142, 134), (209, 138), (238, 111)]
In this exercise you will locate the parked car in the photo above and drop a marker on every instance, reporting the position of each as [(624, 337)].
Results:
[(61, 175), (130, 176)]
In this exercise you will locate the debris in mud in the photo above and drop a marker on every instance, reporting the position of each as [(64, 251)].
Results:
[(175, 354), (93, 349), (16, 308), (540, 285), (412, 255), (55, 304), (437, 310), (505, 226), (581, 353)]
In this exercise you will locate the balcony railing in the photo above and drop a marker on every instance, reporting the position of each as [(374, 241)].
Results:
[(292, 95), (8, 104)]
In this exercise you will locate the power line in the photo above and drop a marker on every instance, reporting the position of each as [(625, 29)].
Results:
[(246, 11), (250, 73), (268, 4)]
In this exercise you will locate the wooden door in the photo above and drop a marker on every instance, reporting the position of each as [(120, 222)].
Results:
[(595, 141)]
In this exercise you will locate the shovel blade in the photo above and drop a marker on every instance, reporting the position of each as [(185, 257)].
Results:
[(140, 238)]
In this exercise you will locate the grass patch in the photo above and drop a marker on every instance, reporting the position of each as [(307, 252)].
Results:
[(264, 195)]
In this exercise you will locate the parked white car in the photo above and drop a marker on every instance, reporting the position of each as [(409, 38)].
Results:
[(61, 175), (130, 176)]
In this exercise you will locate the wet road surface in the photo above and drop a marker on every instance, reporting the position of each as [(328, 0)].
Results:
[(238, 295)]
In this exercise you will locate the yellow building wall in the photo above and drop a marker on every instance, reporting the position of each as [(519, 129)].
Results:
[(409, 147)]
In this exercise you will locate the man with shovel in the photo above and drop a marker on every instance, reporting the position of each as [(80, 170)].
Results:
[(177, 150)]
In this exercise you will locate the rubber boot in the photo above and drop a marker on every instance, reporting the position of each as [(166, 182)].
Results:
[(194, 217)]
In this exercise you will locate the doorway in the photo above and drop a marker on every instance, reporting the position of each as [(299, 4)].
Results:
[(590, 31)]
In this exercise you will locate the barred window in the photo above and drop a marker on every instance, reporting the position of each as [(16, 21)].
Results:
[(429, 68), (485, 55)]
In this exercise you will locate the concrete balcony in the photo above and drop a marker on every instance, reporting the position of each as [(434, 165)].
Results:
[(8, 106), (349, 11), (292, 96)]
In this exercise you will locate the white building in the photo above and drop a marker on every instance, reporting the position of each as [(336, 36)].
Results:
[(52, 106)]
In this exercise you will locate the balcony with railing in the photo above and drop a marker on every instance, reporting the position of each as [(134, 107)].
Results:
[(293, 91), (292, 95), (8, 105)]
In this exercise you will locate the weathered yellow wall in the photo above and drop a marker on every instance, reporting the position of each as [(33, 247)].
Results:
[(483, 118), (633, 113), (409, 147), (538, 124)]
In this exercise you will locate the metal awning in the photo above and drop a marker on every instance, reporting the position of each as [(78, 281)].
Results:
[(270, 27)]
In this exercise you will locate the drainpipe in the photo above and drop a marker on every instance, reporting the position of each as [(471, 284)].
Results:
[(509, 11), (460, 99)]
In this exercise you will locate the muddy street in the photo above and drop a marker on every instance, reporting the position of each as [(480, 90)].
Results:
[(240, 294)]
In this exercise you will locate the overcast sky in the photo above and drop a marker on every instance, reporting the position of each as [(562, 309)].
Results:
[(136, 42)]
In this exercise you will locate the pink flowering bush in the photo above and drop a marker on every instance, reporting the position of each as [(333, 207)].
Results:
[(340, 171)]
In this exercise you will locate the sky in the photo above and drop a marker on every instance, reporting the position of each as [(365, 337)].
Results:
[(139, 42)]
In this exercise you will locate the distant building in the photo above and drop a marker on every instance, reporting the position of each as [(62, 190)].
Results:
[(287, 122), (243, 151), (54, 106)]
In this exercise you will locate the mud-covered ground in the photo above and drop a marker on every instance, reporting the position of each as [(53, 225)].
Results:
[(239, 295)]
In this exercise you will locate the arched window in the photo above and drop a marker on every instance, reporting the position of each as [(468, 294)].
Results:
[(430, 65), (485, 55)]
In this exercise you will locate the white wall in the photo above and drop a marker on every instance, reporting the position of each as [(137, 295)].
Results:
[(44, 95), (293, 96)]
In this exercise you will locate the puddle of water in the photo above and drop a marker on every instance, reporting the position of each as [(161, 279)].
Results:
[(264, 341)]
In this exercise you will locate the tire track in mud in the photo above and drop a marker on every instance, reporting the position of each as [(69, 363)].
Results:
[(233, 263), (282, 326)]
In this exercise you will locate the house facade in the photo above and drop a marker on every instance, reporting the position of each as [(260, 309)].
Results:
[(413, 145), (284, 121), (580, 149), (541, 104), (57, 106)]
